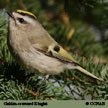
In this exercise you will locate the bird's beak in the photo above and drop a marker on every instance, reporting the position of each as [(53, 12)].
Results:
[(10, 15)]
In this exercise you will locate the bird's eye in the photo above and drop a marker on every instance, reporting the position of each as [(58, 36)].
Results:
[(21, 20)]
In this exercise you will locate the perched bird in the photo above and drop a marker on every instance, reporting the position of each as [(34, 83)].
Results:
[(33, 46)]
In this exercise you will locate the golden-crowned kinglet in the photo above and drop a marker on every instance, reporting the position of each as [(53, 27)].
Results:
[(33, 46)]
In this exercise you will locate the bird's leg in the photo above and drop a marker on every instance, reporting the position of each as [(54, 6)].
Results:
[(35, 93), (46, 77)]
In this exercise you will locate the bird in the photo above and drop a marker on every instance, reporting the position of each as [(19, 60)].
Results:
[(31, 45)]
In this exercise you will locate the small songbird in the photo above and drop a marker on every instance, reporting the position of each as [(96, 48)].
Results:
[(33, 46)]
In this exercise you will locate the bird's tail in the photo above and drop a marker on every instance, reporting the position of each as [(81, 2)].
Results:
[(82, 70)]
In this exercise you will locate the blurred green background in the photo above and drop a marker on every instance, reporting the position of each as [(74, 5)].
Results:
[(81, 27)]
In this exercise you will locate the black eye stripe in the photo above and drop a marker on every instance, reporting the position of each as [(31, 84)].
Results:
[(21, 20)]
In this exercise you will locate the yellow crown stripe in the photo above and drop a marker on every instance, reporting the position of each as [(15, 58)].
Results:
[(26, 12)]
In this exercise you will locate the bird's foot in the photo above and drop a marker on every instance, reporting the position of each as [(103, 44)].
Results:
[(32, 92)]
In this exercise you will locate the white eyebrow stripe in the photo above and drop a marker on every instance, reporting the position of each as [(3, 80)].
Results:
[(26, 18)]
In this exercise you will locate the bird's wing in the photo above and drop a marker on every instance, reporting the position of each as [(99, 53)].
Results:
[(58, 52)]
